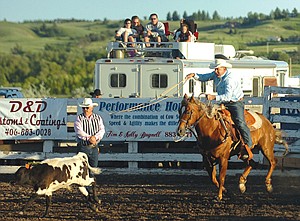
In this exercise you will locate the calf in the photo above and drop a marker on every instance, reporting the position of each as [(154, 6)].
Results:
[(53, 174)]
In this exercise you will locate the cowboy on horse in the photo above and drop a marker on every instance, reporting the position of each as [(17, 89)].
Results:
[(230, 94)]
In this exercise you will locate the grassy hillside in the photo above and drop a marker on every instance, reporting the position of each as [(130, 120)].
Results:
[(25, 36)]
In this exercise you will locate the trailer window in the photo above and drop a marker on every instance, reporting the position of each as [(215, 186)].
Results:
[(281, 75), (159, 80), (203, 87), (118, 80)]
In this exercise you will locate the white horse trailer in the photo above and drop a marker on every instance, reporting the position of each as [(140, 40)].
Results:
[(160, 67)]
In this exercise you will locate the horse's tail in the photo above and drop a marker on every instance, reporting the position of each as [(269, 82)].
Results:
[(280, 140)]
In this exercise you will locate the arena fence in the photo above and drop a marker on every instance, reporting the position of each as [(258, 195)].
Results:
[(280, 105)]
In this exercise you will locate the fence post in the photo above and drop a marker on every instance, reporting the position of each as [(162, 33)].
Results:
[(48, 146), (266, 104), (132, 149)]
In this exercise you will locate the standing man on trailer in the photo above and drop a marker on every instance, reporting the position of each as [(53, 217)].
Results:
[(229, 93)]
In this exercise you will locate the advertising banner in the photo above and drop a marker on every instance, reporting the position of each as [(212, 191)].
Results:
[(137, 119), (33, 119)]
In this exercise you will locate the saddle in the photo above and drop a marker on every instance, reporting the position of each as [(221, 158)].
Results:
[(252, 119)]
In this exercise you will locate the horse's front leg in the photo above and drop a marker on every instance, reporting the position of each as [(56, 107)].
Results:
[(243, 178), (211, 170), (223, 170)]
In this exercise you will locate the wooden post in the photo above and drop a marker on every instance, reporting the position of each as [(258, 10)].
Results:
[(133, 149), (266, 105), (48, 146)]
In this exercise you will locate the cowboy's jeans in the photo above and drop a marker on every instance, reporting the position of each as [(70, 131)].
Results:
[(236, 110), (92, 153)]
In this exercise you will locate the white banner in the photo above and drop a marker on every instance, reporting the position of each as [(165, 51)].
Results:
[(135, 119), (33, 119)]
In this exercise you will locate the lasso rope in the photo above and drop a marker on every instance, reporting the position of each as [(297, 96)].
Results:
[(161, 97)]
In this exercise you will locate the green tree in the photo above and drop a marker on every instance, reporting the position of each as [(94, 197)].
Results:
[(295, 13), (285, 13), (277, 14), (169, 17), (216, 16), (175, 16), (281, 56), (185, 15)]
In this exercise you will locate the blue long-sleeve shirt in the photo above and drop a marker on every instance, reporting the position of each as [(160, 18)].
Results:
[(228, 86)]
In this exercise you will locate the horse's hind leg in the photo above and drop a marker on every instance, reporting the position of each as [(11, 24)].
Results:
[(268, 182)]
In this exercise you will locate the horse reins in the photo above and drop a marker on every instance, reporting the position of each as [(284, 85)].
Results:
[(190, 128)]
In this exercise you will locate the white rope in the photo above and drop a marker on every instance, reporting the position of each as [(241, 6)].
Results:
[(161, 97), (140, 106), (171, 88)]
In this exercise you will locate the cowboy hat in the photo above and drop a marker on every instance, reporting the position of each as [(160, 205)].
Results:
[(97, 92), (88, 102), (220, 63)]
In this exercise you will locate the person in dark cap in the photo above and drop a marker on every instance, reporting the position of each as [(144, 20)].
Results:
[(96, 94)]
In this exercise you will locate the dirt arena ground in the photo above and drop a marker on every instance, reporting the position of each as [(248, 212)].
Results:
[(160, 197)]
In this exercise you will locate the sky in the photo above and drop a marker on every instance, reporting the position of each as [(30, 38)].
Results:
[(20, 10)]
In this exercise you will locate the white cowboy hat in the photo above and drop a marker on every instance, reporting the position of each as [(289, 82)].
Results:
[(220, 63), (88, 102)]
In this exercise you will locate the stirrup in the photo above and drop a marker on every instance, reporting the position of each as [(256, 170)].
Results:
[(246, 153)]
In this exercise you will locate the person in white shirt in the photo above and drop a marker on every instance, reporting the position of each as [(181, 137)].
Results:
[(89, 129), (126, 33)]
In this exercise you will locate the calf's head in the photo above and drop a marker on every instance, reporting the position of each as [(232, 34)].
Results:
[(22, 176)]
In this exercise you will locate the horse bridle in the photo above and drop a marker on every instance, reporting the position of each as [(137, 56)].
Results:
[(191, 127), (187, 127)]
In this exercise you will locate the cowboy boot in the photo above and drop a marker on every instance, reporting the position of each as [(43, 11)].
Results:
[(246, 153)]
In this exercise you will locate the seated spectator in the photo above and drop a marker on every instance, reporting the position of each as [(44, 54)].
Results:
[(184, 35), (180, 25), (126, 33), (136, 24), (191, 27), (155, 30)]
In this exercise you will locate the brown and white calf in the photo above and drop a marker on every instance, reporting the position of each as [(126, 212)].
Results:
[(53, 174)]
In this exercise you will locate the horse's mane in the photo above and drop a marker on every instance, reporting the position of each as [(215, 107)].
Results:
[(209, 109)]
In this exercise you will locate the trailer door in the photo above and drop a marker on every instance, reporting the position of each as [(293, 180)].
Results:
[(118, 80), (157, 78)]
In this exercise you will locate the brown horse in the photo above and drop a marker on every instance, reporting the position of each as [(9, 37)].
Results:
[(217, 142)]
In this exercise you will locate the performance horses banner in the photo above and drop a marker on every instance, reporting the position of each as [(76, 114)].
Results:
[(135, 119)]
